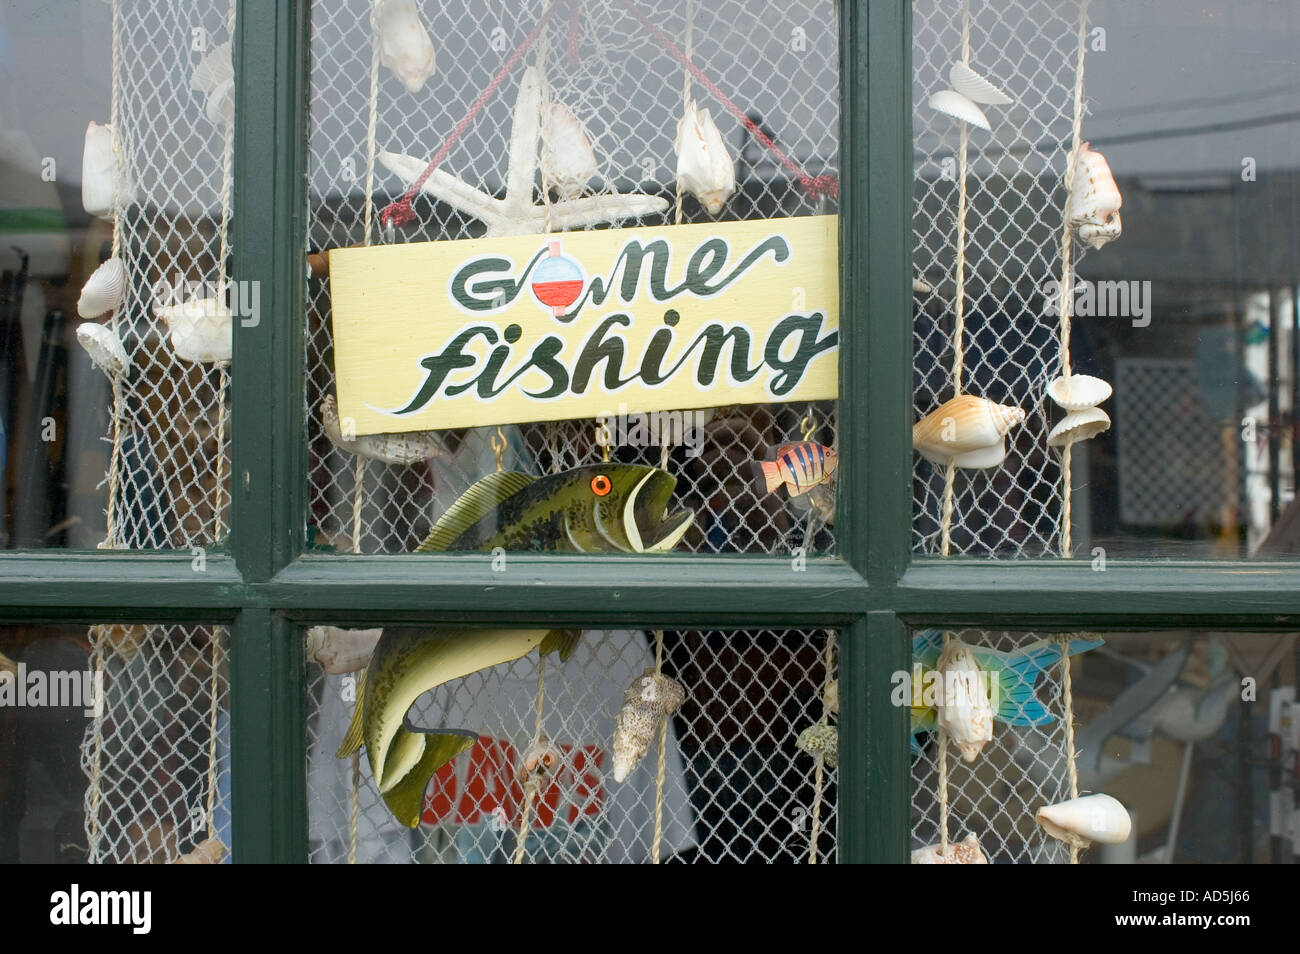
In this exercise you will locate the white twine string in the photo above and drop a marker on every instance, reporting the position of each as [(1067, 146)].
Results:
[(531, 783), (819, 777)]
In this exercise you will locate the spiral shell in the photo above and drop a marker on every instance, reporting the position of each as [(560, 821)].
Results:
[(404, 44), (975, 87), (965, 713), (401, 449), (822, 740), (1094, 199), (1081, 821), (104, 289), (964, 852), (1078, 391), (968, 431), (650, 699), (1078, 426), (104, 347), (705, 167), (568, 161), (954, 104)]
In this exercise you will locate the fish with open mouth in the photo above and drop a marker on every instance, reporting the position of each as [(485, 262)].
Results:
[(594, 508)]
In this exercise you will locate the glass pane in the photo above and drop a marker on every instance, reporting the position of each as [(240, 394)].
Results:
[(114, 744), (591, 95), (110, 232), (1183, 306), (568, 751), (1184, 745)]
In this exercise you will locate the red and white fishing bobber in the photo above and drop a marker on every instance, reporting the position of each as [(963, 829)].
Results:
[(557, 282)]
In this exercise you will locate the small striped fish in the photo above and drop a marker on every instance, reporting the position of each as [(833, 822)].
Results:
[(800, 467)]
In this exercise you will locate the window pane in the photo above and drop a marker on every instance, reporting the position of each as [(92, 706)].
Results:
[(601, 129), (109, 231), (1182, 739), (737, 785), (1184, 306), (114, 744)]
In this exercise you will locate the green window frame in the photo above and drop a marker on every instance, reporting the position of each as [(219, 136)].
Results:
[(266, 586)]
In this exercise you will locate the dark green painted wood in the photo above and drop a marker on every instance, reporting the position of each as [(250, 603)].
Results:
[(99, 585), (267, 740)]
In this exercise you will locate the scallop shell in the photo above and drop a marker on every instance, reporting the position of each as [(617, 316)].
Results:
[(404, 44), (823, 740), (705, 167), (104, 289), (104, 347), (568, 161), (965, 852), (105, 186), (650, 699), (1081, 821), (200, 330), (399, 449), (975, 87), (1094, 199), (968, 431), (1078, 391), (965, 712), (954, 104), (1078, 426)]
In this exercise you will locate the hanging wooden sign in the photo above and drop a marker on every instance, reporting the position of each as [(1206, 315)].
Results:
[(435, 335)]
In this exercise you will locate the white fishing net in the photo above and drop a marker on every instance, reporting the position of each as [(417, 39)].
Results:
[(736, 787), (779, 65)]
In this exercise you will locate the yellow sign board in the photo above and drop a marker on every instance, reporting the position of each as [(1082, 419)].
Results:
[(435, 335)]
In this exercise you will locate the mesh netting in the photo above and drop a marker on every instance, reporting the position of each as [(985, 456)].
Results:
[(736, 787), (1013, 246), (626, 88)]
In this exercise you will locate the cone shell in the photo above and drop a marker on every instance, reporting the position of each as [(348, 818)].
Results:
[(104, 290), (965, 852), (967, 430), (568, 161), (960, 107), (401, 449), (1081, 821), (404, 44), (200, 330), (104, 347), (1078, 426), (1078, 391), (822, 740), (650, 699), (975, 87), (965, 713), (705, 167), (104, 185), (1094, 199)]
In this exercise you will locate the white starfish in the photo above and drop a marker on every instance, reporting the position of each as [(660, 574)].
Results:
[(517, 214)]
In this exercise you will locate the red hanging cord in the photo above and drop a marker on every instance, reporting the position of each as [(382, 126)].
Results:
[(815, 186), (400, 212)]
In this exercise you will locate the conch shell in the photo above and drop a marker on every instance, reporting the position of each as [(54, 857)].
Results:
[(705, 167), (390, 448), (1081, 821), (340, 651), (104, 289), (1094, 199), (975, 87), (965, 852), (404, 44), (651, 699), (200, 330), (1078, 391), (965, 713), (967, 431), (823, 740), (954, 104), (568, 161), (105, 185), (1078, 426), (104, 347)]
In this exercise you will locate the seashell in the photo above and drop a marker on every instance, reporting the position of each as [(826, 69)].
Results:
[(831, 697), (7, 665), (220, 107), (650, 699), (210, 851), (339, 651), (104, 289), (404, 44), (213, 70), (541, 760), (1078, 426), (200, 330), (965, 712), (1081, 821), (920, 287), (104, 347), (975, 87), (957, 106), (1078, 391), (705, 167), (968, 431), (821, 740), (1094, 199), (389, 448), (965, 852), (105, 186), (568, 161)]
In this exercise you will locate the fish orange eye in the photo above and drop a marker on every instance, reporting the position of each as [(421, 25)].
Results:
[(601, 485)]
